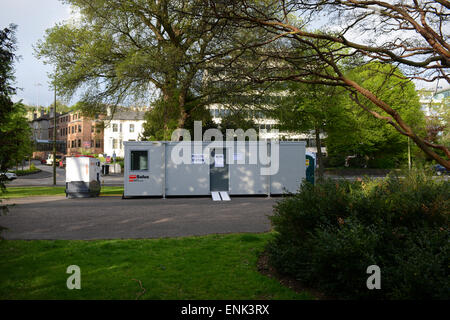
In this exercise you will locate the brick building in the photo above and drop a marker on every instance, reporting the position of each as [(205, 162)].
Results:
[(83, 134)]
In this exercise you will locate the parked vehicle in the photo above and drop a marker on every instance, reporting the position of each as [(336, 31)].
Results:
[(440, 170), (9, 175), (49, 160)]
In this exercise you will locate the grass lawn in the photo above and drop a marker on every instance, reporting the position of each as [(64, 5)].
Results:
[(207, 267), (20, 192)]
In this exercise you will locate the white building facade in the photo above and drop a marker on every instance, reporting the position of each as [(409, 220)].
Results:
[(266, 124), (124, 126)]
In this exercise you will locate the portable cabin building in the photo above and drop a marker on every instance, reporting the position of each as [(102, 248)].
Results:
[(82, 177), (198, 168)]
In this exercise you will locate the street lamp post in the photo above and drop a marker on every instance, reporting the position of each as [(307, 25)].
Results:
[(54, 140)]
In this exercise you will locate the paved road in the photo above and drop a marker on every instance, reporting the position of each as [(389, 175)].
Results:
[(45, 178), (111, 217)]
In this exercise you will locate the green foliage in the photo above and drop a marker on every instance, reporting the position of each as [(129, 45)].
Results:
[(61, 107), (15, 133), (307, 107), (354, 131), (163, 118), (120, 52), (7, 47), (7, 107), (328, 234), (237, 120), (31, 170)]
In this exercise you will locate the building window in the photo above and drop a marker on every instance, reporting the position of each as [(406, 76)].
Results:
[(131, 127), (79, 143), (139, 160), (114, 143), (120, 144), (79, 128), (114, 127), (97, 143), (120, 127), (73, 143)]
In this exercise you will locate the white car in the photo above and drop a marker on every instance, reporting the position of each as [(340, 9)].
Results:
[(49, 160), (9, 175)]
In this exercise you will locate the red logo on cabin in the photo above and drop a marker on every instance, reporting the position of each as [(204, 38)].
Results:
[(132, 178)]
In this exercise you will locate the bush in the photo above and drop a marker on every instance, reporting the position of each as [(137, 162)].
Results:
[(120, 161), (383, 163), (31, 170), (328, 234)]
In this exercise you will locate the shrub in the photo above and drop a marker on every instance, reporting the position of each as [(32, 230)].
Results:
[(31, 170), (328, 234), (383, 163)]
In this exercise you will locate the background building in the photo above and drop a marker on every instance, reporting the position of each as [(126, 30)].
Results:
[(266, 124), (61, 131), (125, 125), (39, 125), (84, 134)]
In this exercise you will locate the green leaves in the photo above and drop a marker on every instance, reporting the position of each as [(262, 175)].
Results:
[(356, 132), (329, 233), (121, 51)]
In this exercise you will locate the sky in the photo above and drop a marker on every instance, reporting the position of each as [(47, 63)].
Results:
[(32, 17)]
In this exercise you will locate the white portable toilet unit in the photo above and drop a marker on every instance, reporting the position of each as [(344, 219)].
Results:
[(82, 177), (150, 169)]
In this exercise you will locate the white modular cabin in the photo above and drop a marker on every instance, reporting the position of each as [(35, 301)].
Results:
[(198, 168), (82, 177)]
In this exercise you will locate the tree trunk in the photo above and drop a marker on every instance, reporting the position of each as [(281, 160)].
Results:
[(184, 115), (320, 168)]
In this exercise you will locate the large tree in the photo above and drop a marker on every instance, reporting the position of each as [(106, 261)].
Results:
[(354, 132), (7, 56), (15, 133), (408, 34), (120, 52), (306, 108)]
